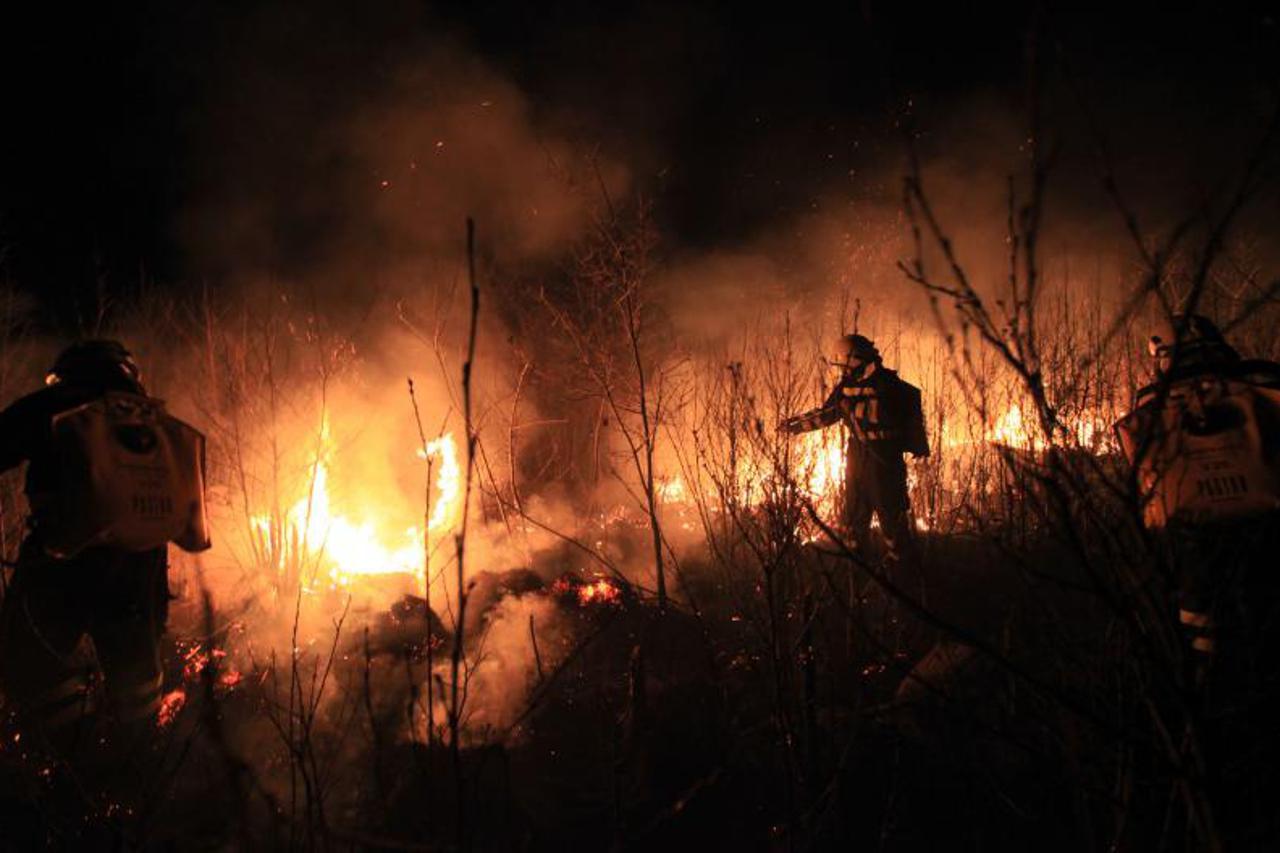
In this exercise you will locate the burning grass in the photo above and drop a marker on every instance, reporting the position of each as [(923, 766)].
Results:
[(650, 634)]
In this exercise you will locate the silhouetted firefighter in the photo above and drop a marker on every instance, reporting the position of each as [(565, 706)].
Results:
[(1204, 439), (884, 419), (112, 478)]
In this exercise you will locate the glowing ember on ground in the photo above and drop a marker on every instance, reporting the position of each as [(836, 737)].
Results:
[(599, 592), (196, 658), (170, 705)]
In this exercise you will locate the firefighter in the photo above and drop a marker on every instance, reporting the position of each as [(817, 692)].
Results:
[(1203, 435), (119, 598), (884, 419)]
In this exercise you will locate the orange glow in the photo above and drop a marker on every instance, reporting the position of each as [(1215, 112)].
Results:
[(1087, 430), (820, 463), (170, 705), (195, 658), (671, 490), (314, 529), (448, 481), (1013, 429), (598, 592)]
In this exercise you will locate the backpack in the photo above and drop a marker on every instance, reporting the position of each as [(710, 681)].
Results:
[(1208, 453), (129, 476), (914, 439)]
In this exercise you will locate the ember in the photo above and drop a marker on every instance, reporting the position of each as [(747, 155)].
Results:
[(599, 592), (170, 705), (196, 658)]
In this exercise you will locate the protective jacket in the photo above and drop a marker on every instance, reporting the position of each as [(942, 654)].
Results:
[(118, 598), (877, 406), (884, 417), (1204, 440)]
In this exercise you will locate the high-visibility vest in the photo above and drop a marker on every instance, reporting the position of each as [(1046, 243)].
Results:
[(129, 476), (882, 407), (1210, 451)]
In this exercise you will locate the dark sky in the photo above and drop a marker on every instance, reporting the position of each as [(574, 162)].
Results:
[(111, 118)]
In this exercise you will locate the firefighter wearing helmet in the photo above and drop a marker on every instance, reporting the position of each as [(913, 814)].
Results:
[(884, 420), (104, 483), (1204, 441)]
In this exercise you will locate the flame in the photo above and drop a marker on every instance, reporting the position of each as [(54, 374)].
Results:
[(314, 529), (1013, 429), (820, 460), (448, 480), (671, 490), (817, 460), (1086, 429)]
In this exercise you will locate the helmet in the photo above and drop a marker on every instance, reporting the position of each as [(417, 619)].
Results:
[(1189, 339), (855, 349), (94, 362)]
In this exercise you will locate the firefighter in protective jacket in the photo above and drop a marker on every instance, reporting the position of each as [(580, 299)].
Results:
[(884, 418), (118, 597), (1204, 439)]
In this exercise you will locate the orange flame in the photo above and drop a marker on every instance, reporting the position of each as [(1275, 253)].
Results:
[(448, 480), (820, 460), (671, 490), (1087, 430), (347, 548)]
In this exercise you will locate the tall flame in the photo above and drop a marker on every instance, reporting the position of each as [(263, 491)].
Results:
[(313, 530), (820, 460), (448, 480)]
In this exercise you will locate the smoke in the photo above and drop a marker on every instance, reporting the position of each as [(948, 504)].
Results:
[(524, 639), (346, 152), (335, 156)]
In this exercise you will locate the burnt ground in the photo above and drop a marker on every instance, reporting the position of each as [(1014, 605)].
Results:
[(678, 729)]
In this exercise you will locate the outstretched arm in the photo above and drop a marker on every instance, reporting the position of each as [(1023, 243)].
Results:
[(827, 414)]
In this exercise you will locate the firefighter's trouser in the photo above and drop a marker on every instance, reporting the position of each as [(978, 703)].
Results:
[(1225, 582), (1223, 570), (119, 599), (876, 484)]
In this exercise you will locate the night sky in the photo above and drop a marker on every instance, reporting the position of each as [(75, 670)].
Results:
[(120, 122)]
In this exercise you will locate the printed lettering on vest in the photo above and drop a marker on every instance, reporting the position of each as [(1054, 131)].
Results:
[(131, 477)]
